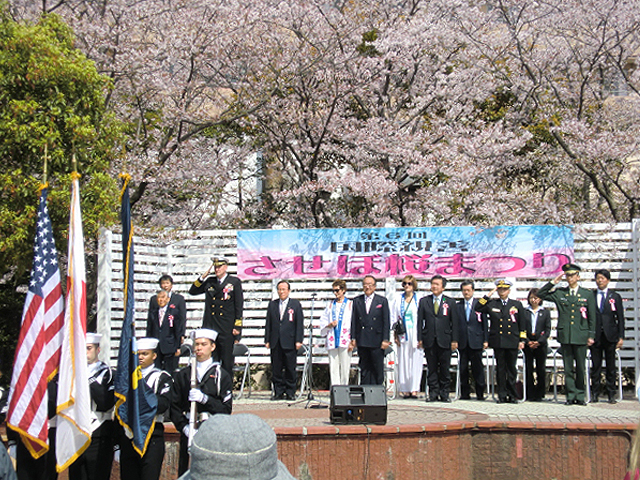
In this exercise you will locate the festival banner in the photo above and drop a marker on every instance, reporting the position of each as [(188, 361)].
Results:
[(530, 251)]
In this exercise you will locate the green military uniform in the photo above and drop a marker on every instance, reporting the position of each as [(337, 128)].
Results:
[(576, 325)]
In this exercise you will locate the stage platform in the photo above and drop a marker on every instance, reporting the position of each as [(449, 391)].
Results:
[(465, 439)]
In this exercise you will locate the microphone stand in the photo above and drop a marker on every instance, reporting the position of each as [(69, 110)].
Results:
[(308, 382)]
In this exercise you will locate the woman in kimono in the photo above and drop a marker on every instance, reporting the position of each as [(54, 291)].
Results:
[(335, 323)]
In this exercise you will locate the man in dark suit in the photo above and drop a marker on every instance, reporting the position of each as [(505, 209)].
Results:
[(176, 301), (370, 330), (283, 334), (223, 308), (438, 331), (473, 338), (576, 327), (609, 335), (164, 325), (535, 349), (507, 334)]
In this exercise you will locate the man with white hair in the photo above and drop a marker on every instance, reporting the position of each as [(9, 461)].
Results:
[(149, 466), (95, 462), (212, 393)]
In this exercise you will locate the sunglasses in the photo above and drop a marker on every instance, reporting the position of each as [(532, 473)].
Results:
[(336, 290), (404, 284)]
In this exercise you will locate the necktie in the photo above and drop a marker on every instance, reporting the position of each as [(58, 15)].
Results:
[(601, 301), (281, 309), (468, 310), (367, 303), (436, 305), (573, 292)]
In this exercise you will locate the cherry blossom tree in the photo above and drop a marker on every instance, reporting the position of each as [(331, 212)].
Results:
[(369, 112)]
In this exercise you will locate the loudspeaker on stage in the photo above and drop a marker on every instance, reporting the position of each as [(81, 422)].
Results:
[(359, 404)]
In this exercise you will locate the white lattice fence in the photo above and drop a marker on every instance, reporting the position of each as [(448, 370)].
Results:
[(614, 247)]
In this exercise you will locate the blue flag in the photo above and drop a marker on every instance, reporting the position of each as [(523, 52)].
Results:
[(136, 404)]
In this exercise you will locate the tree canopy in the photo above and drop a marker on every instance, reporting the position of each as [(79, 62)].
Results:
[(53, 102), (371, 111)]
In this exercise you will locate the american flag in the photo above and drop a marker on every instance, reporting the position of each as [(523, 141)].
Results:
[(38, 351)]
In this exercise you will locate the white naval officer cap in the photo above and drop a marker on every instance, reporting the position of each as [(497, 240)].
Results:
[(206, 333), (93, 338), (147, 343)]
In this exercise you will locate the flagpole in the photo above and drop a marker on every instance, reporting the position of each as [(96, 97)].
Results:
[(46, 160)]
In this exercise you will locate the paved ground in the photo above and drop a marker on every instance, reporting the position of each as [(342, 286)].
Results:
[(411, 412)]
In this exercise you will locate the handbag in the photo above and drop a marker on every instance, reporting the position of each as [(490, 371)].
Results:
[(398, 328)]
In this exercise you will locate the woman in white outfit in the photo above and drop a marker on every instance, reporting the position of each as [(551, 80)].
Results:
[(336, 326), (405, 310)]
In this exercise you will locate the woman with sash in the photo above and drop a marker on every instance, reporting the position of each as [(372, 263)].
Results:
[(404, 319), (335, 323)]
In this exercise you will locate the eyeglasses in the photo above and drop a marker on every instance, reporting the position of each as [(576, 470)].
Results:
[(336, 290), (404, 284)]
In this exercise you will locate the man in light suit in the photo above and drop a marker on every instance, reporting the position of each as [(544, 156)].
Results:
[(164, 324), (370, 332), (609, 335), (283, 334), (438, 324), (473, 338)]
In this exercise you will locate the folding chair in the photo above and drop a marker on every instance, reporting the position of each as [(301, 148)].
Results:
[(620, 377), (241, 350), (390, 372), (303, 367), (560, 371)]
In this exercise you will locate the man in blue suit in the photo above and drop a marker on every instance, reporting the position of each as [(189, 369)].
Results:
[(473, 338), (283, 334), (438, 324), (370, 332), (609, 335)]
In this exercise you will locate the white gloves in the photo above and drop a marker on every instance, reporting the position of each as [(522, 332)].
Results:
[(195, 395)]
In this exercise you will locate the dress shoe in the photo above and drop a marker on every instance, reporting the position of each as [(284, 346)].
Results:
[(445, 399), (481, 398), (277, 397), (594, 399), (288, 396), (569, 402), (512, 400), (430, 399), (612, 401), (501, 400), (466, 397), (580, 402)]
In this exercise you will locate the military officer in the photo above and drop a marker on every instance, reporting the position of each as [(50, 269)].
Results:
[(223, 308), (212, 394), (507, 334), (576, 327), (149, 466), (95, 462)]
